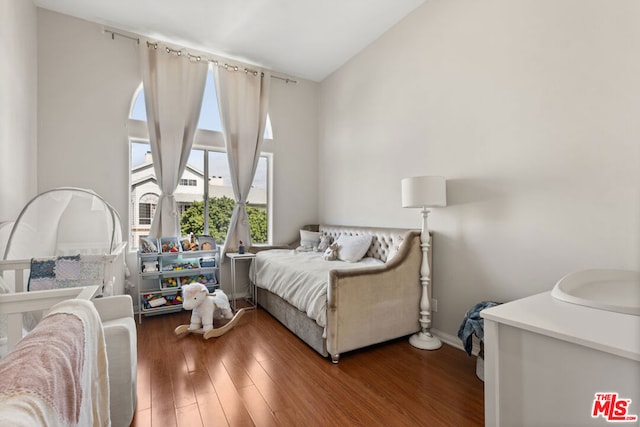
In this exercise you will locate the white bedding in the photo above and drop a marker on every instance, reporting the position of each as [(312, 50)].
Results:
[(300, 278)]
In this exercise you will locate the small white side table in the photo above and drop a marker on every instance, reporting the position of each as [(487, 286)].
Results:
[(233, 256)]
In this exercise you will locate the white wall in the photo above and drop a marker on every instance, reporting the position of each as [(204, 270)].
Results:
[(86, 82), (294, 118), (18, 113), (529, 108)]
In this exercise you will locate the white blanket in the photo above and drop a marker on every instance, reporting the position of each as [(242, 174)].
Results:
[(300, 278), (57, 374)]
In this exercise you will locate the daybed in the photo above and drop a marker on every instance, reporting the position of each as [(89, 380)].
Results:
[(337, 306)]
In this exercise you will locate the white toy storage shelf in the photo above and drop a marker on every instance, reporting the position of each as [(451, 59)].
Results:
[(162, 275)]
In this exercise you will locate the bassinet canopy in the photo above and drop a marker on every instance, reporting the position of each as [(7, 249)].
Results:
[(64, 221)]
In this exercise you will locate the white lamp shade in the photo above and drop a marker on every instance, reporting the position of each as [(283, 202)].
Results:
[(424, 191)]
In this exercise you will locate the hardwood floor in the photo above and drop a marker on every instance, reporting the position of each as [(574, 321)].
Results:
[(261, 374)]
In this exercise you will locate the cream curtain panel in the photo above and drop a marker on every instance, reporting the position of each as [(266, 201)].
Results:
[(243, 101), (173, 90)]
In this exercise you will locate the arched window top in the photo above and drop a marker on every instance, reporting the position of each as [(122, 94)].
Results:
[(209, 113), (150, 198)]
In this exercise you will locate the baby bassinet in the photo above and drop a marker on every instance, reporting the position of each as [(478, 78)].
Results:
[(64, 222)]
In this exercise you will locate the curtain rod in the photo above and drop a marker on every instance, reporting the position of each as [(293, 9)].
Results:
[(114, 34), (197, 57)]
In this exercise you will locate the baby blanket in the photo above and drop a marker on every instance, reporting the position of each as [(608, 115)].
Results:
[(65, 272), (57, 374)]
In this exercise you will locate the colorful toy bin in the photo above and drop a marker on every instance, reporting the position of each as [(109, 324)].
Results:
[(154, 300), (205, 279), (179, 264), (169, 282), (169, 244)]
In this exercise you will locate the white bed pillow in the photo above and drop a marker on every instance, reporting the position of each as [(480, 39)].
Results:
[(309, 239), (353, 248)]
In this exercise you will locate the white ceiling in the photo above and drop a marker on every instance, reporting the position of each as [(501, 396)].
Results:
[(300, 38)]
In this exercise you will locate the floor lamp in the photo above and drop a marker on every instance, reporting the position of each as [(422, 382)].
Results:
[(424, 192)]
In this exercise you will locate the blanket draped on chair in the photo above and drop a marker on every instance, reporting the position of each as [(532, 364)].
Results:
[(57, 374)]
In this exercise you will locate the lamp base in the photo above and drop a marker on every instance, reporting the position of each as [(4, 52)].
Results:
[(425, 341)]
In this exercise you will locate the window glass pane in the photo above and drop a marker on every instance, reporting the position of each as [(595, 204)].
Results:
[(209, 113), (140, 154), (268, 132), (221, 199), (189, 195), (138, 111)]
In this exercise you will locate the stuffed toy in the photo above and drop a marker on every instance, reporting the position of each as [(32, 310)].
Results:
[(325, 241), (148, 266), (205, 306), (331, 253)]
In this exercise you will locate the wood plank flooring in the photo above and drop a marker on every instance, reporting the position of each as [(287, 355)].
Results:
[(261, 374)]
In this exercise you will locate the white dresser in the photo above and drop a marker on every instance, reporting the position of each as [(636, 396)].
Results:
[(545, 360)]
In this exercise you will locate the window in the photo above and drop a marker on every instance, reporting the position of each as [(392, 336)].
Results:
[(146, 208), (204, 195), (145, 213)]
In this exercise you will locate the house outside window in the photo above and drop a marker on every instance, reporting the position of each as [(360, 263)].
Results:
[(205, 185), (188, 182)]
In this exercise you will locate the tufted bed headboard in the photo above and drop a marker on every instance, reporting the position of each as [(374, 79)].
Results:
[(383, 238)]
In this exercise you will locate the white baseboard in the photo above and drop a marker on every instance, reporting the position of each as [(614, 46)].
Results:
[(454, 341)]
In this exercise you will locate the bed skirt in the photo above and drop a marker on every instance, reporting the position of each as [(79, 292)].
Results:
[(293, 319)]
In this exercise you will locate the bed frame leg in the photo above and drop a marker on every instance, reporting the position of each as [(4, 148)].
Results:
[(335, 358)]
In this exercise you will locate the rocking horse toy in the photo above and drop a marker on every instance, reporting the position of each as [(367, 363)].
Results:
[(205, 307)]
